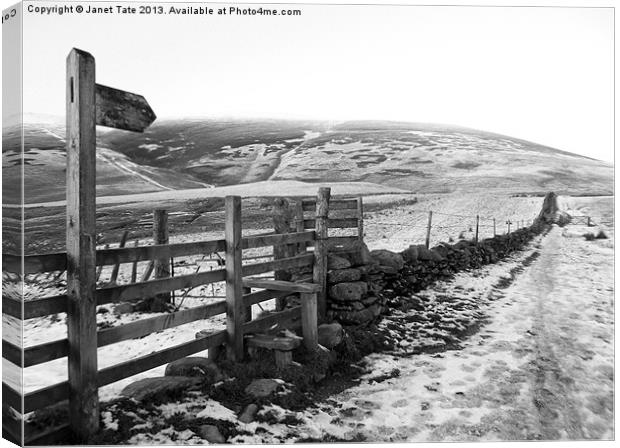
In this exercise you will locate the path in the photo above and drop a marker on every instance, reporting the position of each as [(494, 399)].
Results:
[(541, 369)]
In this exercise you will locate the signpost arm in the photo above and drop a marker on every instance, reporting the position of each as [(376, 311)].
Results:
[(81, 304)]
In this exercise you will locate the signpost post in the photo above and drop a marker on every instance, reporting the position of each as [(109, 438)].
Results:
[(88, 105)]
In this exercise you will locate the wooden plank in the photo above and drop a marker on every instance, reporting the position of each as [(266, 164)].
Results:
[(81, 237), (45, 306), (289, 318), (309, 205), (39, 263), (12, 353), (261, 296), (309, 319), (12, 307), (279, 285), (134, 266), (144, 253), (293, 262), (147, 326), (319, 272), (252, 242), (273, 342), (120, 293), (122, 110), (282, 216), (41, 353), (234, 291), (333, 223), (11, 397), (34, 263), (147, 362), (46, 397)]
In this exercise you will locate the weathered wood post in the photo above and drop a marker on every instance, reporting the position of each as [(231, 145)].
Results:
[(477, 227), (161, 267), (321, 248), (589, 222), (360, 218), (281, 224), (234, 288), (247, 310), (508, 222), (428, 229), (494, 229), (81, 238), (299, 224), (309, 316)]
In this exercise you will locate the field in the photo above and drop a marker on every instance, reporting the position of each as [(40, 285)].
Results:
[(542, 319)]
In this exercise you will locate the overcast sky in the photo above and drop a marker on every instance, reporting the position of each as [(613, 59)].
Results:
[(541, 74)]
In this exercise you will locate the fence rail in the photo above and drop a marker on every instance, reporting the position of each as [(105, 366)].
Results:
[(302, 235)]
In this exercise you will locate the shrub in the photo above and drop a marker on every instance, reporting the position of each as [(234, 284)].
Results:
[(601, 235), (589, 236)]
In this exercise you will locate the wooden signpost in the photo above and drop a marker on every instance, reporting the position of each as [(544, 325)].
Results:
[(88, 105)]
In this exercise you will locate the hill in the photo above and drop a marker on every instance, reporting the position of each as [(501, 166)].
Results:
[(200, 153)]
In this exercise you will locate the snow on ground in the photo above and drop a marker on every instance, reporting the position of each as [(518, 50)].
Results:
[(541, 369)]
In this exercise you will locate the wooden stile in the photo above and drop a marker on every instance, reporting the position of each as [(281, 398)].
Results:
[(81, 271), (234, 288), (319, 274)]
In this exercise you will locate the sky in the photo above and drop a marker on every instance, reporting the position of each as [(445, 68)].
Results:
[(540, 74)]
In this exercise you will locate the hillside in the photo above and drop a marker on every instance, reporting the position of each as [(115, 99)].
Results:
[(197, 153), (414, 156)]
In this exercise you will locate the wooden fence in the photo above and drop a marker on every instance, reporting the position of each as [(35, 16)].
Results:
[(312, 222)]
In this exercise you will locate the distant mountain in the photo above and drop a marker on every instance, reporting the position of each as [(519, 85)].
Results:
[(198, 153)]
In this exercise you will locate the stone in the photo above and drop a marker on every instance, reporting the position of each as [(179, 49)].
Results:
[(359, 256), (387, 269), (349, 291), (211, 434), (388, 258), (410, 255), (159, 386), (330, 335), (248, 414), (262, 387), (195, 366), (354, 317), (424, 254), (343, 275), (336, 262), (370, 300), (124, 308)]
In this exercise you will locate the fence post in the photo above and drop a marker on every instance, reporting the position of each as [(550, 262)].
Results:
[(589, 222), (428, 229), (494, 229), (162, 265), (299, 223), (234, 289), (309, 321), (360, 218), (321, 249), (477, 226), (81, 248), (508, 222)]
